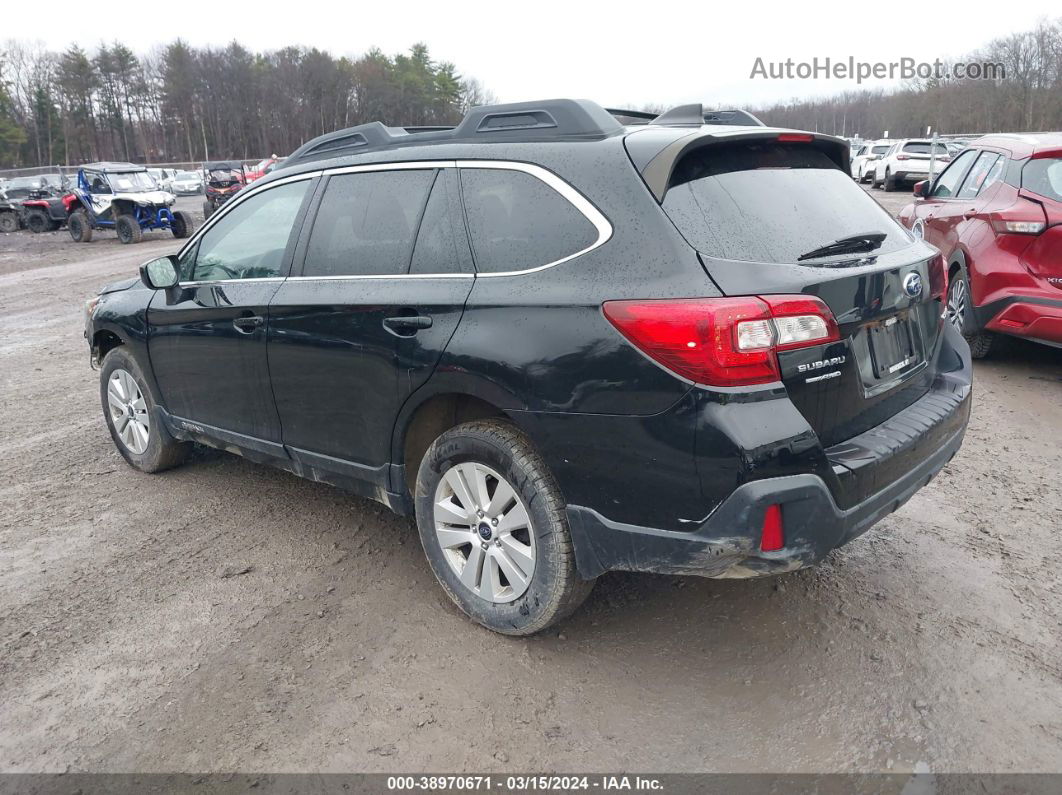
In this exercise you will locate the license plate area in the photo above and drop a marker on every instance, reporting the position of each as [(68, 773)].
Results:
[(895, 348)]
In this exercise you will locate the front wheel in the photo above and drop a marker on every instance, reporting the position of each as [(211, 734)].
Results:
[(79, 227), (182, 225), (493, 527), (132, 417), (960, 315), (208, 210), (128, 229), (37, 221)]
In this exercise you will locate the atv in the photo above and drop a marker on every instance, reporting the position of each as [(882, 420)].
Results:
[(223, 179), (10, 214), (44, 211), (122, 197)]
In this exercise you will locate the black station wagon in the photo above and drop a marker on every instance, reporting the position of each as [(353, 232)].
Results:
[(568, 340)]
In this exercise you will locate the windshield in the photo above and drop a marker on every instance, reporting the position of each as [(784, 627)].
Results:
[(880, 150), (224, 175), (185, 175), (131, 182), (1043, 177), (771, 202), (23, 182)]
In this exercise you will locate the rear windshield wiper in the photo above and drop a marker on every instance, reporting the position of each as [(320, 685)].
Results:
[(853, 244)]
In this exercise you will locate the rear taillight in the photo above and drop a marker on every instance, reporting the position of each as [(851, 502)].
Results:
[(903, 157), (723, 341), (938, 277), (1024, 217)]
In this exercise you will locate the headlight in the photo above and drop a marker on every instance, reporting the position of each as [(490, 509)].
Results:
[(90, 306)]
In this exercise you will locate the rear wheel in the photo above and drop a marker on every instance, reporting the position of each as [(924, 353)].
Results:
[(79, 227), (133, 418), (890, 182), (8, 222), (128, 229), (208, 210), (960, 315), (493, 526), (182, 225)]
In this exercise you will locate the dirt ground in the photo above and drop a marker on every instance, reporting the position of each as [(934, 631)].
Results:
[(131, 641)]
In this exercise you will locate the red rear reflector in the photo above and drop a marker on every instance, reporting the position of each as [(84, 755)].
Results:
[(771, 537), (796, 138), (723, 341)]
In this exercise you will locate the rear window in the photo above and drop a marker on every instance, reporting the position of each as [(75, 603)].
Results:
[(923, 148), (770, 202), (1043, 177)]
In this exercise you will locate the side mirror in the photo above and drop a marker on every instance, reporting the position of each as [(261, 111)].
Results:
[(161, 273), (921, 189)]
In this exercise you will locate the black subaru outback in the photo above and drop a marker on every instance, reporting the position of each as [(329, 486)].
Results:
[(685, 344)]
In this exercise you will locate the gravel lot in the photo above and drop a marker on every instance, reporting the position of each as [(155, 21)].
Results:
[(130, 639)]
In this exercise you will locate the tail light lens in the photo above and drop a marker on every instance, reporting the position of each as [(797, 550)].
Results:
[(903, 157), (723, 341), (772, 535), (1024, 217)]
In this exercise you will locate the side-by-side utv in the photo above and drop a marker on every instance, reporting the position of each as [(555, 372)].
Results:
[(122, 197)]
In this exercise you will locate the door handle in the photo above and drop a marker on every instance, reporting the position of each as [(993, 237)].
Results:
[(407, 325), (970, 213), (248, 323)]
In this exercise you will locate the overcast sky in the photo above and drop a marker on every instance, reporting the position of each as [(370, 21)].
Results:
[(619, 54)]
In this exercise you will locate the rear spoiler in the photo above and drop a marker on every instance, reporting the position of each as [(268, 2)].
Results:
[(655, 155)]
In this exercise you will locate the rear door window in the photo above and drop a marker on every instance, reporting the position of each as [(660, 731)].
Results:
[(366, 223), (518, 222), (765, 201), (442, 243), (985, 171)]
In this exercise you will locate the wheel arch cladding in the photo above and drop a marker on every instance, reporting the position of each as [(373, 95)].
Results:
[(427, 421)]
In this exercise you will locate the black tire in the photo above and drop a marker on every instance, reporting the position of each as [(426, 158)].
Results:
[(37, 221), (960, 313), (162, 450), (8, 222), (890, 182), (555, 588), (208, 210), (182, 226), (79, 227), (128, 229)]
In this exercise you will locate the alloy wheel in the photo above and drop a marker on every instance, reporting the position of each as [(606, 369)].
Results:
[(485, 532), (129, 412), (957, 304)]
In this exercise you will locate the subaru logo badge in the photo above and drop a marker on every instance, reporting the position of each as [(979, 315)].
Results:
[(912, 285)]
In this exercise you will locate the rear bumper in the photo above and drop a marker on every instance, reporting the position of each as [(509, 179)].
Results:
[(878, 471), (1031, 317)]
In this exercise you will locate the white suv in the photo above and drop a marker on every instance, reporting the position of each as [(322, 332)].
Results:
[(908, 161), (864, 159)]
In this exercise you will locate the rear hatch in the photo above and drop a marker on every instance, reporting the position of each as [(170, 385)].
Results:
[(759, 209), (916, 156), (1041, 182)]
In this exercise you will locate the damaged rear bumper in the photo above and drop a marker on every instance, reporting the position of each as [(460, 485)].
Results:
[(889, 463)]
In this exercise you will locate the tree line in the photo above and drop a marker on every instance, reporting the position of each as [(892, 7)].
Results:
[(184, 103), (1027, 99)]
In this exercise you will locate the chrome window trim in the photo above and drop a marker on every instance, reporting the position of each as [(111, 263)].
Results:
[(574, 197)]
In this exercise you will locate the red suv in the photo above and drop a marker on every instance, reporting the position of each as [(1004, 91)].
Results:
[(996, 214)]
